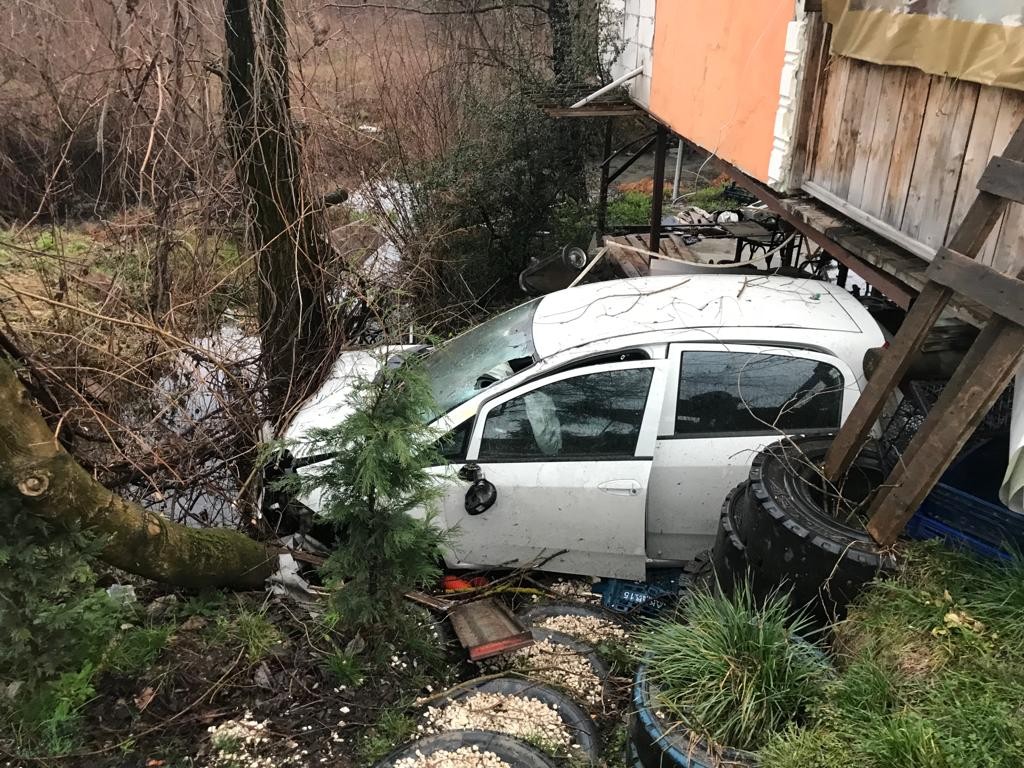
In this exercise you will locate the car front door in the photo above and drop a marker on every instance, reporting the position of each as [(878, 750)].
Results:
[(724, 403), (569, 457)]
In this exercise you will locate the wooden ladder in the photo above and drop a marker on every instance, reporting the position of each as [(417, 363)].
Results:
[(982, 375)]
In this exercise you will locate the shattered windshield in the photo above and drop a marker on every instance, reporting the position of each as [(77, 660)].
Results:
[(482, 356)]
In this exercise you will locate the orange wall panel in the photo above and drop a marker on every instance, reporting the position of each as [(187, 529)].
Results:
[(716, 71)]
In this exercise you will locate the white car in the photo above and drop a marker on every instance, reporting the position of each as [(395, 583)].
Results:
[(613, 418)]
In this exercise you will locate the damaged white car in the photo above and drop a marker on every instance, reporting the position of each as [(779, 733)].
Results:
[(597, 430)]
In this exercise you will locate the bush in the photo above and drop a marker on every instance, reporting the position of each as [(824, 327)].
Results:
[(631, 208), (732, 670), (55, 626), (379, 496)]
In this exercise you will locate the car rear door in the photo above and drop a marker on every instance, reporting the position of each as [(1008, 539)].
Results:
[(569, 457), (724, 403)]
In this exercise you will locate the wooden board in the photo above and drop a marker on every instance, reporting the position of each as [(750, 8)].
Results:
[(838, 73), (1007, 247), (977, 154), (487, 628), (904, 148), (940, 155), (848, 137), (883, 137)]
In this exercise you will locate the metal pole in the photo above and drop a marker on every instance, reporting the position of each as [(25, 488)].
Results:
[(602, 200), (658, 197), (610, 87), (679, 170)]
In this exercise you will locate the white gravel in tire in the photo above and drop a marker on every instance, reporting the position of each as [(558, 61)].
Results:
[(557, 665), (463, 757), (590, 629), (517, 716)]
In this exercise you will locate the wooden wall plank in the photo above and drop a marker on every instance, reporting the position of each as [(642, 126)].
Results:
[(904, 150), (848, 138), (831, 118), (887, 120), (865, 132), (976, 157), (1007, 250), (940, 156)]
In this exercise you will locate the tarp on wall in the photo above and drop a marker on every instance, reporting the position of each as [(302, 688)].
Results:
[(977, 40)]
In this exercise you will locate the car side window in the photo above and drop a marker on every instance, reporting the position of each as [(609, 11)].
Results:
[(453, 444), (593, 416), (754, 393)]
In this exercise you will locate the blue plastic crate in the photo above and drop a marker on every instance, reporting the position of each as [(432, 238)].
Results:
[(968, 521)]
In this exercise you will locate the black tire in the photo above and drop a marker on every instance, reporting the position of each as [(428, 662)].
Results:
[(792, 540), (518, 754), (580, 725), (659, 743), (729, 556)]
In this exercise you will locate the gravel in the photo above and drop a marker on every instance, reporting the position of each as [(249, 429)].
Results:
[(589, 629), (557, 665), (516, 716), (463, 757)]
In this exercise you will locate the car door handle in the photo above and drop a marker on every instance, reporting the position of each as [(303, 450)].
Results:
[(620, 487)]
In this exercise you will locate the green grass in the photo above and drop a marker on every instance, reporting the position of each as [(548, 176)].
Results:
[(932, 673), (393, 728), (629, 209), (732, 670), (711, 199), (251, 630), (137, 649)]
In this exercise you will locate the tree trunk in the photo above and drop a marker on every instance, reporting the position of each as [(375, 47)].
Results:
[(53, 486), (286, 227)]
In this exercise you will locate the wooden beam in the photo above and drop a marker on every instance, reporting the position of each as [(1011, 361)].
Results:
[(892, 367), (1003, 294), (896, 290), (598, 110), (1004, 177), (970, 393), (970, 237)]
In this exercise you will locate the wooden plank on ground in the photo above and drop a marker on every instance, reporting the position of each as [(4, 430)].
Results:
[(838, 73), (979, 380), (940, 156), (487, 628), (869, 124), (904, 148), (879, 155)]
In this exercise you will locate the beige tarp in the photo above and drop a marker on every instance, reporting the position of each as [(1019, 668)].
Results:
[(977, 40)]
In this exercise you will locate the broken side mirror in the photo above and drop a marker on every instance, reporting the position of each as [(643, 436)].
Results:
[(480, 497), (470, 472)]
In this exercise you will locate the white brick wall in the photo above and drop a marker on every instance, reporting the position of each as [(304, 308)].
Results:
[(780, 165), (637, 33)]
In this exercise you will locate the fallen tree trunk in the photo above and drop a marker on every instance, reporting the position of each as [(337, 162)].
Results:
[(54, 487)]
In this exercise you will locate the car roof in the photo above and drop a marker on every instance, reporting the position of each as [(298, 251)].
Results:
[(589, 313)]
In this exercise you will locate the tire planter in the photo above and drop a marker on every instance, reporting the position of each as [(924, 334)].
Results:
[(537, 613), (577, 722), (729, 556), (658, 743), (516, 753), (587, 652), (791, 540)]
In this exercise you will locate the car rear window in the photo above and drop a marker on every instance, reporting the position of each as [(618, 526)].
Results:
[(723, 393)]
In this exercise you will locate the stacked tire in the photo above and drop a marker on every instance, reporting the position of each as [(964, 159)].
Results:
[(780, 529)]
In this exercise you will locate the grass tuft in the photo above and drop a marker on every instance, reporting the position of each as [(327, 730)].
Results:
[(732, 670)]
